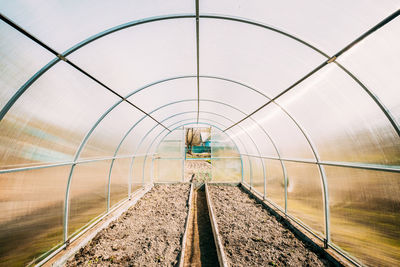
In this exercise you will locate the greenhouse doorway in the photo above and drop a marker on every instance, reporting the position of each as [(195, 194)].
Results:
[(196, 153), (197, 165)]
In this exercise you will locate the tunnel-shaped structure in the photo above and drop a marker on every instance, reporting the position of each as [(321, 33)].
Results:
[(302, 98)]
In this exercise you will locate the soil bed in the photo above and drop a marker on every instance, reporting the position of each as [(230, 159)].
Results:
[(149, 233), (251, 236)]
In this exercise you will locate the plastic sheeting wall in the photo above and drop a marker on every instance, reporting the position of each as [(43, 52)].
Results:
[(307, 91)]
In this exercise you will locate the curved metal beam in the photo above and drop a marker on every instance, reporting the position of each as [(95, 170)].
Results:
[(129, 131), (180, 125), (384, 109), (66, 204), (143, 21), (191, 119)]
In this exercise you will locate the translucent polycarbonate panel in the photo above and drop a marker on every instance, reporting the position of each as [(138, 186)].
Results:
[(168, 170), (245, 142), (175, 121), (221, 108), (149, 142), (106, 137), (20, 58), (164, 93), (119, 180), (50, 119), (257, 174), (226, 170), (335, 110), (171, 146), (350, 19), (305, 200), (263, 141), (135, 57), (275, 182), (31, 218), (63, 24), (175, 108), (374, 61), (255, 56), (215, 117), (137, 171), (88, 194), (365, 218), (131, 144), (287, 136), (222, 145), (231, 93), (240, 146), (154, 139)]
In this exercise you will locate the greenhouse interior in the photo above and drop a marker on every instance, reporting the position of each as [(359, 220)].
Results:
[(119, 118)]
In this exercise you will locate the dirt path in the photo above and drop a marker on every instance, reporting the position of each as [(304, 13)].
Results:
[(200, 247), (197, 171), (148, 234), (253, 237)]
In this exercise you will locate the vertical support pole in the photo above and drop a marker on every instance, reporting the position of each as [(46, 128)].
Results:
[(152, 169), (143, 169), (109, 186), (130, 181), (251, 173), (184, 153), (265, 178), (326, 205), (241, 166), (285, 181), (66, 204)]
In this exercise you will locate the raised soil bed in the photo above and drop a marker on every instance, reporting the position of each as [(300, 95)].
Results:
[(251, 236), (148, 234)]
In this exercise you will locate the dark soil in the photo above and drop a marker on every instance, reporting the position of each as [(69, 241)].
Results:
[(251, 236), (200, 247), (148, 234)]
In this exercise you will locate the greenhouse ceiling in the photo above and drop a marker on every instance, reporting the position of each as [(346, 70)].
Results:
[(305, 91)]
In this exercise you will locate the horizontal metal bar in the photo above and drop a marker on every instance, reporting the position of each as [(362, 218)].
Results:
[(356, 165), (367, 33), (344, 254), (366, 166), (376, 167), (261, 198), (214, 158), (67, 163)]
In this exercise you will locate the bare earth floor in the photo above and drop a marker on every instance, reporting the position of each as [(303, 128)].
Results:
[(148, 234), (253, 237), (200, 247)]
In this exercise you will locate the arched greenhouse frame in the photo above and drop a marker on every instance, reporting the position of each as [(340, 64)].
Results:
[(302, 100)]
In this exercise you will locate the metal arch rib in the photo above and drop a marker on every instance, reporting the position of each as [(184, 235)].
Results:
[(144, 137), (317, 158), (180, 125), (143, 88), (48, 66), (129, 131), (384, 109)]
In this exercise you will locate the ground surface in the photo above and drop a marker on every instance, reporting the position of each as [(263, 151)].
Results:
[(253, 237), (197, 171), (148, 234), (200, 247)]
